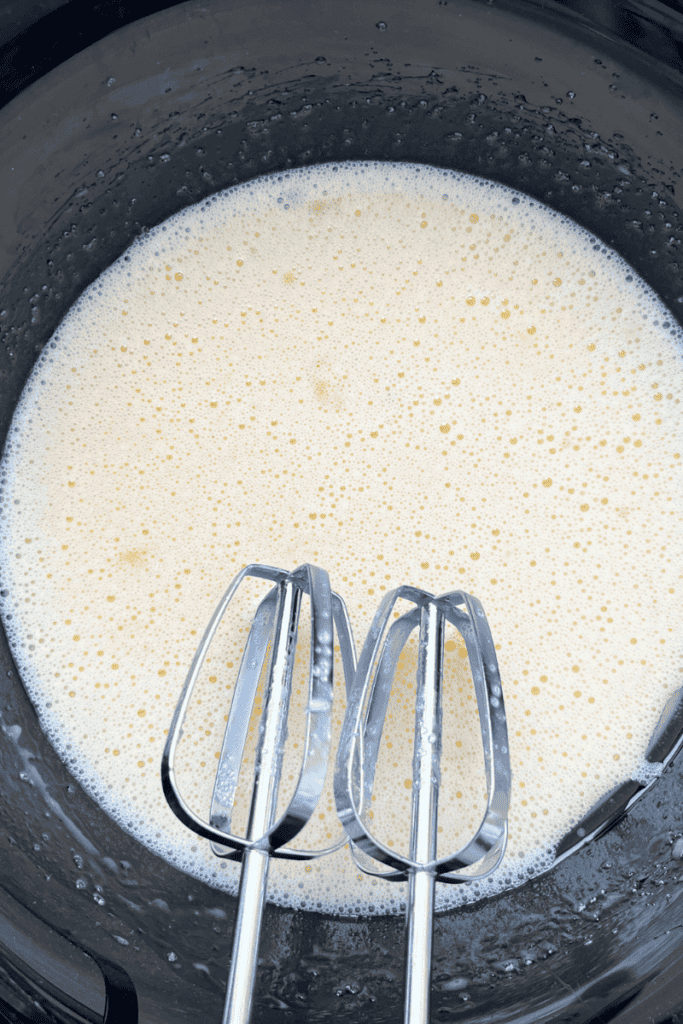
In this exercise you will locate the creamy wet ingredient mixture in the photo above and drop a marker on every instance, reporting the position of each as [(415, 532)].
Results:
[(400, 374)]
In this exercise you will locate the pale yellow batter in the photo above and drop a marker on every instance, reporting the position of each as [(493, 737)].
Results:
[(402, 375)]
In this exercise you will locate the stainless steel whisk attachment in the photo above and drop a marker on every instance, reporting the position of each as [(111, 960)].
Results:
[(359, 749), (271, 642)]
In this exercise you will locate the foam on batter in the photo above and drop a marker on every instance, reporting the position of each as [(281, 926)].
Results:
[(402, 374)]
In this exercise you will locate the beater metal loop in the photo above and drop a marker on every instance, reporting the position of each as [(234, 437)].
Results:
[(367, 708), (274, 628)]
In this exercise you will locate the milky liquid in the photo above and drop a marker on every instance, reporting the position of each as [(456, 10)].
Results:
[(403, 375)]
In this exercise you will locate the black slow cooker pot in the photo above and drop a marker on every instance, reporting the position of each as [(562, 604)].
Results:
[(583, 111)]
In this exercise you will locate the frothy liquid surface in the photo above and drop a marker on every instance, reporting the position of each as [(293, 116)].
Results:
[(405, 376)]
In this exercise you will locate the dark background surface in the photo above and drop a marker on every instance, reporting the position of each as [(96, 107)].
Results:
[(36, 37), (162, 115)]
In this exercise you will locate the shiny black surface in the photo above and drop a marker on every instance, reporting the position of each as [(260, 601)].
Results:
[(159, 115), (38, 35)]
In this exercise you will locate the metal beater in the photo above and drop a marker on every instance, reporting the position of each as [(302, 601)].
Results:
[(359, 749), (273, 634)]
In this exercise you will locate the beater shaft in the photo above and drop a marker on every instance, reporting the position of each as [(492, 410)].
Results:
[(419, 915), (255, 862), (245, 943), (426, 778)]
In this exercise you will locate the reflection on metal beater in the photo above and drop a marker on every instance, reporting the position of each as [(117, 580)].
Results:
[(359, 750), (273, 633)]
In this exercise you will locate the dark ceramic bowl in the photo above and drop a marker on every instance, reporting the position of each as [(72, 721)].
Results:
[(584, 111)]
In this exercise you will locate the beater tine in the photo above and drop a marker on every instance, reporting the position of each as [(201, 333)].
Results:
[(235, 737), (359, 750), (271, 643)]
